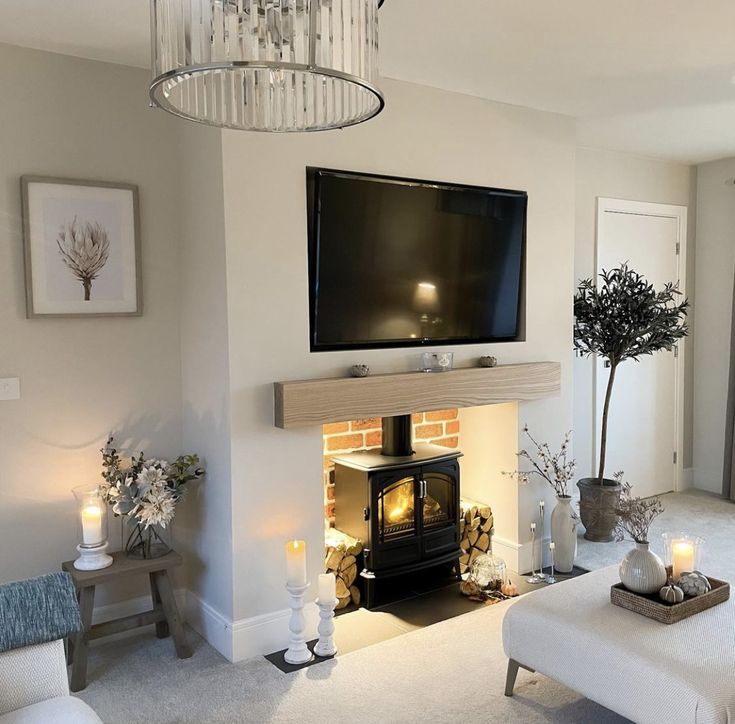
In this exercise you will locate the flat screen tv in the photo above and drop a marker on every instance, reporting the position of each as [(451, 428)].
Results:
[(396, 262)]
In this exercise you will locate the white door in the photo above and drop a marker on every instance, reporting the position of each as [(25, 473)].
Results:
[(646, 411)]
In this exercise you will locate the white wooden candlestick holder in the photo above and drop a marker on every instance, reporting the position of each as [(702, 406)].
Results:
[(325, 646), (92, 558), (297, 652)]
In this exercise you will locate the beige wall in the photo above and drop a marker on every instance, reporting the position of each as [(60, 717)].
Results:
[(424, 133), (715, 264), (81, 378), (204, 525), (634, 178), (489, 443)]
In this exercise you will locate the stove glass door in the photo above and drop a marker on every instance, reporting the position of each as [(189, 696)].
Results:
[(397, 509), (438, 501)]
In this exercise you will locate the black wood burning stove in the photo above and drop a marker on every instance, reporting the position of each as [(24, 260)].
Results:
[(403, 503)]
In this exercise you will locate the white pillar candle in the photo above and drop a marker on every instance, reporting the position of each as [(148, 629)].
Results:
[(92, 525), (296, 563), (327, 588), (682, 558)]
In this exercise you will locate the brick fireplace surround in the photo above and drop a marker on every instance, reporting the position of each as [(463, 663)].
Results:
[(440, 427)]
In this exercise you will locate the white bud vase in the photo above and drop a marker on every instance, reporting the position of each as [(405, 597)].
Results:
[(642, 571), (564, 534)]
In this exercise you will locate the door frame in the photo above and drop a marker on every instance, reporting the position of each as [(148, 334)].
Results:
[(607, 205)]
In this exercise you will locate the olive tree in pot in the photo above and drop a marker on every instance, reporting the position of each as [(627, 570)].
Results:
[(621, 318)]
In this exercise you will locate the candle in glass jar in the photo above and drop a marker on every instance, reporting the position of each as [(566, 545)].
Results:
[(327, 588), (91, 525), (296, 563), (682, 558)]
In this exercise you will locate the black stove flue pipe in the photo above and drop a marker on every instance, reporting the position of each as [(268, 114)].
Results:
[(397, 436)]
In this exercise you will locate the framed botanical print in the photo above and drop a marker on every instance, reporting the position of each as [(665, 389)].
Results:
[(82, 248)]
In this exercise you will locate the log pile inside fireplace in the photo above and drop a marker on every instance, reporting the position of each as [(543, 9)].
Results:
[(341, 558), (475, 532)]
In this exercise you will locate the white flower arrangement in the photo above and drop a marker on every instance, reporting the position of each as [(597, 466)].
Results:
[(147, 490)]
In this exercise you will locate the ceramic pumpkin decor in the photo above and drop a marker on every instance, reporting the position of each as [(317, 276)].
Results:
[(694, 583), (671, 594)]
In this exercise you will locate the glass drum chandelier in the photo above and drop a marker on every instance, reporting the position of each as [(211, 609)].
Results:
[(266, 65)]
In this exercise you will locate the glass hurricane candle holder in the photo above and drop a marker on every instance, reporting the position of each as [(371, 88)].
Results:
[(682, 553), (488, 572), (92, 517)]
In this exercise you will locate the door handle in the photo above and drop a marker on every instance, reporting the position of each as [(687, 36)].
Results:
[(422, 489)]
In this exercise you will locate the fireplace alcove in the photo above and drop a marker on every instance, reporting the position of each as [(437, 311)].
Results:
[(402, 503), (384, 479)]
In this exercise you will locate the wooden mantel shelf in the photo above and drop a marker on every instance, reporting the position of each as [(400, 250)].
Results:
[(315, 402)]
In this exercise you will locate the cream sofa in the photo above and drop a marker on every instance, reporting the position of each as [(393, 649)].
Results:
[(34, 688), (641, 669), (35, 616)]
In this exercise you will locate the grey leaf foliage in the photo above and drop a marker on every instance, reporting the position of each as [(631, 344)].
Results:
[(84, 248)]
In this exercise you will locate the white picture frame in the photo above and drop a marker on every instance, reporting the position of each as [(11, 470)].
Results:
[(81, 248)]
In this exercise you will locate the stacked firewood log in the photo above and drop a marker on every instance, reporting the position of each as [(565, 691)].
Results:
[(475, 532), (341, 558)]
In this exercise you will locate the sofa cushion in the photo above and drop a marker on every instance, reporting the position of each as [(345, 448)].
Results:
[(60, 710)]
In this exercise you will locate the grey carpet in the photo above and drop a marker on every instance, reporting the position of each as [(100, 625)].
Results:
[(451, 671)]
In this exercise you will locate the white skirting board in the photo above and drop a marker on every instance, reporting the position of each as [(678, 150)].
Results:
[(247, 637), (517, 556), (236, 640), (210, 624), (133, 606)]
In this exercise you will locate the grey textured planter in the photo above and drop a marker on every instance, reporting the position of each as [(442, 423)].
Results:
[(597, 508)]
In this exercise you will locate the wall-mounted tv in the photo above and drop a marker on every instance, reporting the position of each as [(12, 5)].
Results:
[(396, 262)]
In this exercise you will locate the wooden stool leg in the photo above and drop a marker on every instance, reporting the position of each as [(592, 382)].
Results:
[(79, 664), (163, 584), (161, 626)]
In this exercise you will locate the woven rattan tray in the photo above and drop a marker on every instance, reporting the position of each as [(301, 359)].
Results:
[(653, 607)]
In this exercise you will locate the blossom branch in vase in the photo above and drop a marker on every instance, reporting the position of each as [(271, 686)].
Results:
[(555, 468)]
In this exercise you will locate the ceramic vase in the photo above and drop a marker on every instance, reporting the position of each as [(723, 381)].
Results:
[(642, 571), (564, 534)]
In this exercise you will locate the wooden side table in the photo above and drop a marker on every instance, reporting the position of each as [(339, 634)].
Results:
[(164, 613)]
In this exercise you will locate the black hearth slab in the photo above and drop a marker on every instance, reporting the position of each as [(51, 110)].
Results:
[(279, 662)]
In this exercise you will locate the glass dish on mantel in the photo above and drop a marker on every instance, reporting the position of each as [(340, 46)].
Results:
[(437, 362)]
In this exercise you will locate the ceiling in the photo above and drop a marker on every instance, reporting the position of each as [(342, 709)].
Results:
[(653, 77)]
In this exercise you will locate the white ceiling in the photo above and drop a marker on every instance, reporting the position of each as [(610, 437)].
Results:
[(652, 77)]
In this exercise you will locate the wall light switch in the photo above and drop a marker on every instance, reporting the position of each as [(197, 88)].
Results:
[(10, 388)]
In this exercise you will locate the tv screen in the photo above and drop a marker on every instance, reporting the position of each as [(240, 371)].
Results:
[(396, 262)]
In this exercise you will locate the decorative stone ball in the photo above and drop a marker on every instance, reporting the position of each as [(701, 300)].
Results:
[(671, 594), (359, 370), (488, 571), (509, 589), (488, 361), (694, 583)]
